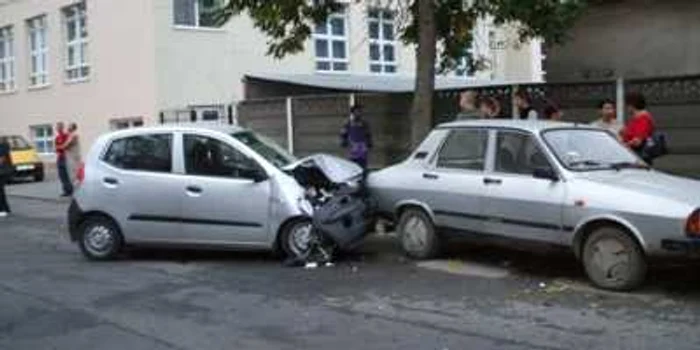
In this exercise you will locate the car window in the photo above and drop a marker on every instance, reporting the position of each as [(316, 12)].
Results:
[(518, 153), (464, 149), (206, 156), (143, 152)]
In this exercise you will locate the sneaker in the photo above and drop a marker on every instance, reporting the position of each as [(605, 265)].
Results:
[(3, 214)]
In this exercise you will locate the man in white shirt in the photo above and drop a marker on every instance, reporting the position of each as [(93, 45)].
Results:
[(608, 117)]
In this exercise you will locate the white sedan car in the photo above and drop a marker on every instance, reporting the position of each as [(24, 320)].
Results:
[(559, 184)]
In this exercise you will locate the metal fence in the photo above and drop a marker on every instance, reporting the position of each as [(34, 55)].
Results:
[(310, 124)]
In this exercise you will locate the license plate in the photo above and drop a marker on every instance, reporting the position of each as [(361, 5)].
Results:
[(25, 167)]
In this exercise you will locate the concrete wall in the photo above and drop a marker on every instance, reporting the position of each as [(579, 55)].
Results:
[(120, 83), (632, 39)]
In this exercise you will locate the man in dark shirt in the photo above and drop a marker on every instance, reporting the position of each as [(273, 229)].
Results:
[(6, 171)]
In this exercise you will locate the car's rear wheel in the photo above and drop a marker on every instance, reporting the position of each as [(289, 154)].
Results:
[(39, 176), (296, 239), (417, 234), (100, 238), (613, 260)]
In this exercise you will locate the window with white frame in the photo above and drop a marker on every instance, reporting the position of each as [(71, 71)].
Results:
[(331, 44), (382, 41), (38, 51), (196, 13), (7, 59), (42, 138), (76, 35)]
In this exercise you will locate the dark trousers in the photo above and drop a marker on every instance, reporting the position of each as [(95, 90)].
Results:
[(361, 161), (4, 206), (62, 168)]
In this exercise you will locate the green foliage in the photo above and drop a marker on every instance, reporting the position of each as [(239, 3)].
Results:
[(289, 23)]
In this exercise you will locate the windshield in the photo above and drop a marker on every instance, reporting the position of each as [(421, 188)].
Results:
[(265, 147), (16, 143), (586, 149)]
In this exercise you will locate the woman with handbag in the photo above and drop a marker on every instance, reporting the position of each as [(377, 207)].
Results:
[(6, 171), (640, 126)]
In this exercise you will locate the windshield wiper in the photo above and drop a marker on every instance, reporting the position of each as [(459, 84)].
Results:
[(629, 165), (587, 162)]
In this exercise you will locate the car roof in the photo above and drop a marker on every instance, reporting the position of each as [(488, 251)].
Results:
[(534, 126), (223, 128)]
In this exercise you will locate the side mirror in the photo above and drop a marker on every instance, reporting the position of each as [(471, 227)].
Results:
[(546, 173), (256, 174)]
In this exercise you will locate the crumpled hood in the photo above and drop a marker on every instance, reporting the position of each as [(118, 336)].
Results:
[(653, 183), (336, 169)]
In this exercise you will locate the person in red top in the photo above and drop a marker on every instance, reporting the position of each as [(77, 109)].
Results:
[(61, 165), (640, 126)]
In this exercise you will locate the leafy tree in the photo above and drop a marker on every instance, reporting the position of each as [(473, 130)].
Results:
[(442, 30)]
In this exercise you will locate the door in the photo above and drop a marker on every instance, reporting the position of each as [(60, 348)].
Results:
[(517, 204), (453, 187), (141, 187), (222, 204)]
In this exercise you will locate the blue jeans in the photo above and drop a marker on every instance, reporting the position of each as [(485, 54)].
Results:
[(63, 175)]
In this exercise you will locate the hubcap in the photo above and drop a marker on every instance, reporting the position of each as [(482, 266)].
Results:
[(416, 234), (99, 239), (611, 259), (300, 240)]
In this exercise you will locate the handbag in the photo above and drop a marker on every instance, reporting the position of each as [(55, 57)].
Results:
[(655, 146)]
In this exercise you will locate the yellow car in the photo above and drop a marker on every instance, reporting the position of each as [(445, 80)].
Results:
[(24, 158)]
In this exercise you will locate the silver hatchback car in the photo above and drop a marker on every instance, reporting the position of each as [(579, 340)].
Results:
[(219, 187), (562, 184)]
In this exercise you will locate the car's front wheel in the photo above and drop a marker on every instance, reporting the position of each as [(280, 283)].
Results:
[(417, 234), (100, 238), (613, 260), (296, 239)]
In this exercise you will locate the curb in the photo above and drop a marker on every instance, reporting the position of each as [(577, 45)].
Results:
[(42, 199)]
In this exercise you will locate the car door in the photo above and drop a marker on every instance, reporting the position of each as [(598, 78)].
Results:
[(518, 204), (453, 183), (221, 203), (139, 187)]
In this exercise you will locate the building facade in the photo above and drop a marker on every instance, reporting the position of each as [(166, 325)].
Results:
[(111, 64)]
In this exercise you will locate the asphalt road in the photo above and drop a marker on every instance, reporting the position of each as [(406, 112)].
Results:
[(50, 298)]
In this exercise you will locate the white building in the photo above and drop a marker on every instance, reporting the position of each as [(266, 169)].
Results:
[(108, 64)]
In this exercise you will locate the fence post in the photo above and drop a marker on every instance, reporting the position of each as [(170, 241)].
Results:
[(620, 99), (290, 126), (513, 107)]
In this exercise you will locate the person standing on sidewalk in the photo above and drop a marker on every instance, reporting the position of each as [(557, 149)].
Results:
[(640, 126), (468, 106), (356, 137), (61, 166), (608, 117), (6, 171), (523, 103), (72, 152)]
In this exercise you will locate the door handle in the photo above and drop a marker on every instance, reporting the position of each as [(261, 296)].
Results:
[(492, 181), (194, 189), (430, 176), (110, 181)]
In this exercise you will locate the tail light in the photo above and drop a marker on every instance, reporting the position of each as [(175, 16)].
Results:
[(692, 227), (81, 173)]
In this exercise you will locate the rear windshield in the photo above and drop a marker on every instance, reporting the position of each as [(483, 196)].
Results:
[(17, 143)]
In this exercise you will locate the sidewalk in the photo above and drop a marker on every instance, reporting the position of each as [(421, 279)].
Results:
[(49, 190)]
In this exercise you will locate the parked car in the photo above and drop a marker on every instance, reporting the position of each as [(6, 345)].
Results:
[(25, 159), (560, 184), (211, 187)]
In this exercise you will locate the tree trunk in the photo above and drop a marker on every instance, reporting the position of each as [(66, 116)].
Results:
[(422, 109)]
